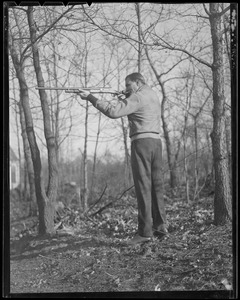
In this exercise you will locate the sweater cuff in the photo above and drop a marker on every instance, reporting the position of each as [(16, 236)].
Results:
[(92, 99)]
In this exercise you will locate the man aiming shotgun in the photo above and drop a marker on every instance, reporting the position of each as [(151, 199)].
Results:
[(142, 107)]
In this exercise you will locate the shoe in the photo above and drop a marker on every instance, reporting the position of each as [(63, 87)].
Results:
[(138, 240), (160, 232)]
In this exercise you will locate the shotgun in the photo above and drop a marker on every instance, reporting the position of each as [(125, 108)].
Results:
[(92, 90)]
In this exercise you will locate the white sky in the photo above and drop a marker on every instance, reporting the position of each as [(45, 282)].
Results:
[(162, 61)]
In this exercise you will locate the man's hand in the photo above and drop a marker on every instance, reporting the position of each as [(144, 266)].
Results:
[(83, 94)]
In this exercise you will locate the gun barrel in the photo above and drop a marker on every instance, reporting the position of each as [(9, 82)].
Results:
[(92, 90), (73, 88)]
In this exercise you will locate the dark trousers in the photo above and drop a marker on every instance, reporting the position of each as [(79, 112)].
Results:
[(146, 158)]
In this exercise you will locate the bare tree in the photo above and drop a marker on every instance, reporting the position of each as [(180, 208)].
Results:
[(35, 153), (44, 200), (50, 197), (172, 158), (222, 198)]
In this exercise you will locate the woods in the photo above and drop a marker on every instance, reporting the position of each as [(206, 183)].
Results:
[(71, 157)]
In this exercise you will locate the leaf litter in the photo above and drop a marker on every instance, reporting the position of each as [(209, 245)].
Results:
[(91, 254)]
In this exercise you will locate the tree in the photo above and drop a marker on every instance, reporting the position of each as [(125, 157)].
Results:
[(48, 200), (172, 159), (222, 197), (44, 200)]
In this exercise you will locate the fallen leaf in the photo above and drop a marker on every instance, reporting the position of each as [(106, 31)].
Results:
[(225, 282)]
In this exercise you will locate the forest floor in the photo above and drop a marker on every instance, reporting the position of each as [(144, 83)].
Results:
[(91, 255)]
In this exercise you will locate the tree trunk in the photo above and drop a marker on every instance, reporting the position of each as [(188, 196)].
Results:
[(50, 139), (185, 161), (171, 163), (92, 191), (196, 171), (222, 196), (127, 162), (29, 163), (85, 164), (19, 152), (35, 153), (137, 7), (229, 145)]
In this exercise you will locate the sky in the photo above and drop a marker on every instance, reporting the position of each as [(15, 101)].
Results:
[(65, 67)]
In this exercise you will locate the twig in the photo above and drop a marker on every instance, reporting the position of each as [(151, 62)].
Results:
[(110, 203), (101, 209), (91, 207), (90, 219)]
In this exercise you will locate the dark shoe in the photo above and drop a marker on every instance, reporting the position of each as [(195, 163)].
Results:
[(138, 240), (160, 232)]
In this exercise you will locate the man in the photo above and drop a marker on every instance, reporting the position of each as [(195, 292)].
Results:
[(142, 107)]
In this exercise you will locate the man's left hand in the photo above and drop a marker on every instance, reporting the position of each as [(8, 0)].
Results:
[(83, 94)]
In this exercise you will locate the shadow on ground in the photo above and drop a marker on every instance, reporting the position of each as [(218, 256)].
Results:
[(33, 246)]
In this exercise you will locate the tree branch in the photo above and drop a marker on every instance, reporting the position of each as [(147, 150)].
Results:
[(110, 203), (168, 46), (165, 44), (224, 11), (44, 33)]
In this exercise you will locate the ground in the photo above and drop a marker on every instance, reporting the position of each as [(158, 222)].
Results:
[(90, 254)]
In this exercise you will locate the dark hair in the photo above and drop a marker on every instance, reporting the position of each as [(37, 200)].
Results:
[(135, 77)]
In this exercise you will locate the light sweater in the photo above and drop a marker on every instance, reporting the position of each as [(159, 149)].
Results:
[(142, 109)]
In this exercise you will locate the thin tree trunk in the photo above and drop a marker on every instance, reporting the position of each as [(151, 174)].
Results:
[(29, 163), (188, 99), (137, 7), (85, 164), (171, 163), (85, 154), (57, 110), (222, 196), (22, 196), (127, 163), (170, 157), (95, 157), (229, 144), (185, 161), (196, 171), (50, 139)]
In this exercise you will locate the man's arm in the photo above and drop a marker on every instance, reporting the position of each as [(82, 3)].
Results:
[(122, 108)]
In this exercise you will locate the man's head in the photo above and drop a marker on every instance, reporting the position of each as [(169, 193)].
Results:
[(133, 82)]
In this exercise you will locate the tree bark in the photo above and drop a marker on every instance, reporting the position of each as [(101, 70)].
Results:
[(196, 170), (92, 190), (137, 7), (85, 164), (29, 163), (171, 162), (222, 196), (185, 158), (127, 162)]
